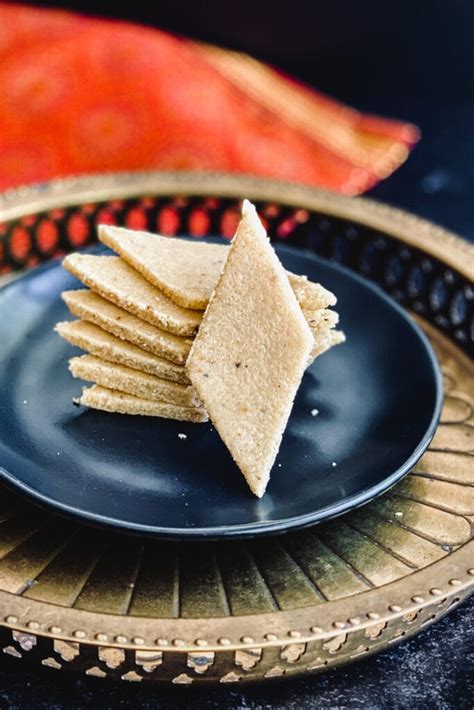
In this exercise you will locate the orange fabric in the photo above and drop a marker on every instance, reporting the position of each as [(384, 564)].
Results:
[(85, 95)]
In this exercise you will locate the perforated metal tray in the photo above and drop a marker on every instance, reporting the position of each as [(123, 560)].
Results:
[(107, 605)]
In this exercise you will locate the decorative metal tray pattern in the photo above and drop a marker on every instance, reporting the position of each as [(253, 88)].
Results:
[(105, 604)]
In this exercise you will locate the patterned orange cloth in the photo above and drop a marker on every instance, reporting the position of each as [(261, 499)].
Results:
[(84, 95)]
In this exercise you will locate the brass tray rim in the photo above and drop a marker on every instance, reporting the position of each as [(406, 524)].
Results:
[(450, 248), (388, 603), (299, 624)]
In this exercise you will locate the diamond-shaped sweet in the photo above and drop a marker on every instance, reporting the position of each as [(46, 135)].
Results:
[(250, 352)]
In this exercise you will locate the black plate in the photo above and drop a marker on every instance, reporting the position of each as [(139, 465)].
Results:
[(379, 398)]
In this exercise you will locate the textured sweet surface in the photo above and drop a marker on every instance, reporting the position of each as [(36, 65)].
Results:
[(124, 379), (322, 323), (116, 281), (249, 356), (126, 299), (98, 342), (311, 295), (92, 307), (324, 341), (321, 319), (188, 270), (109, 400)]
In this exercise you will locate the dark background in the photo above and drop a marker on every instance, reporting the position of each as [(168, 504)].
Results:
[(413, 60)]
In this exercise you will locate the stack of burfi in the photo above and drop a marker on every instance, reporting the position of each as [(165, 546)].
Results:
[(184, 329)]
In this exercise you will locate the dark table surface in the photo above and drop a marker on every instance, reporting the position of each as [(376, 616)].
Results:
[(419, 71), (430, 671)]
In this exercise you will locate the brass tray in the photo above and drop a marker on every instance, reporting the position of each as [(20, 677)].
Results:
[(105, 604)]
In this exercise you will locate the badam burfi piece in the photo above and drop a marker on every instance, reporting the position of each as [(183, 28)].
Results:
[(324, 342), (188, 270), (310, 295), (322, 323), (98, 342), (124, 379), (250, 352), (321, 320), (107, 400), (185, 271), (90, 306), (113, 279)]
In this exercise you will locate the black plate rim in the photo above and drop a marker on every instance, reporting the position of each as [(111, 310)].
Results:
[(243, 530)]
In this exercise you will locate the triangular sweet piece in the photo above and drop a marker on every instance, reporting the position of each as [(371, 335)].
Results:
[(321, 319), (185, 271), (90, 306), (117, 282), (107, 400), (324, 342), (250, 352), (310, 295), (124, 379), (98, 342), (322, 323)]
